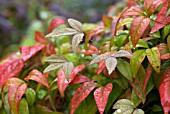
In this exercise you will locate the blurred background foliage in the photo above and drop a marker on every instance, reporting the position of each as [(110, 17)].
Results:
[(19, 19)]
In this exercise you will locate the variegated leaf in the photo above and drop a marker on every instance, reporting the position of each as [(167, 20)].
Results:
[(75, 24), (138, 111), (100, 58), (53, 66), (124, 104), (111, 63), (62, 32), (67, 68), (56, 58), (77, 38), (122, 53)]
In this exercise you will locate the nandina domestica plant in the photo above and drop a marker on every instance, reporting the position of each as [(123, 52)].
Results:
[(121, 66)]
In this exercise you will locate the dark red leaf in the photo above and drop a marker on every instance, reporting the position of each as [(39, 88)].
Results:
[(151, 5), (81, 94), (165, 56), (10, 69), (80, 79), (30, 51), (55, 23), (101, 95), (107, 21), (38, 77), (147, 76), (101, 66), (40, 37), (138, 26), (16, 90), (92, 50), (161, 19), (164, 91), (94, 31), (62, 81)]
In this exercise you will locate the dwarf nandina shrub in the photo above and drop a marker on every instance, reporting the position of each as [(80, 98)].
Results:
[(121, 66)]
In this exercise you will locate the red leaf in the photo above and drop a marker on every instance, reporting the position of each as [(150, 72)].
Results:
[(92, 50), (151, 5), (62, 81), (81, 94), (10, 69), (147, 76), (164, 91), (101, 95), (16, 90), (138, 26), (80, 79), (49, 50), (38, 77), (30, 51), (101, 66), (132, 11), (94, 31), (165, 56), (161, 19), (55, 23), (107, 21), (40, 37), (131, 3)]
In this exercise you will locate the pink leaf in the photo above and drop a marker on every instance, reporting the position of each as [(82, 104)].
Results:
[(161, 19), (164, 91), (81, 94), (80, 79), (30, 51), (38, 77), (16, 90), (101, 66), (55, 23), (165, 56), (101, 95), (138, 26), (151, 5), (49, 50), (92, 50), (94, 31), (10, 69), (132, 11), (75, 71), (131, 3)]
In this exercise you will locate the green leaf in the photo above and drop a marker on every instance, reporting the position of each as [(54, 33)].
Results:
[(135, 99), (72, 57), (67, 68), (168, 42), (111, 63), (165, 32), (153, 56), (77, 38), (124, 69), (122, 82), (41, 94), (39, 109), (30, 96), (119, 40), (23, 107), (62, 32), (75, 24), (53, 66), (124, 22), (56, 58), (136, 60)]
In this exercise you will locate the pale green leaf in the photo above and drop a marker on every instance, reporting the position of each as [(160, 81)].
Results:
[(138, 111), (75, 24), (111, 63), (56, 58), (122, 53), (67, 68), (77, 38), (100, 58), (53, 66)]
